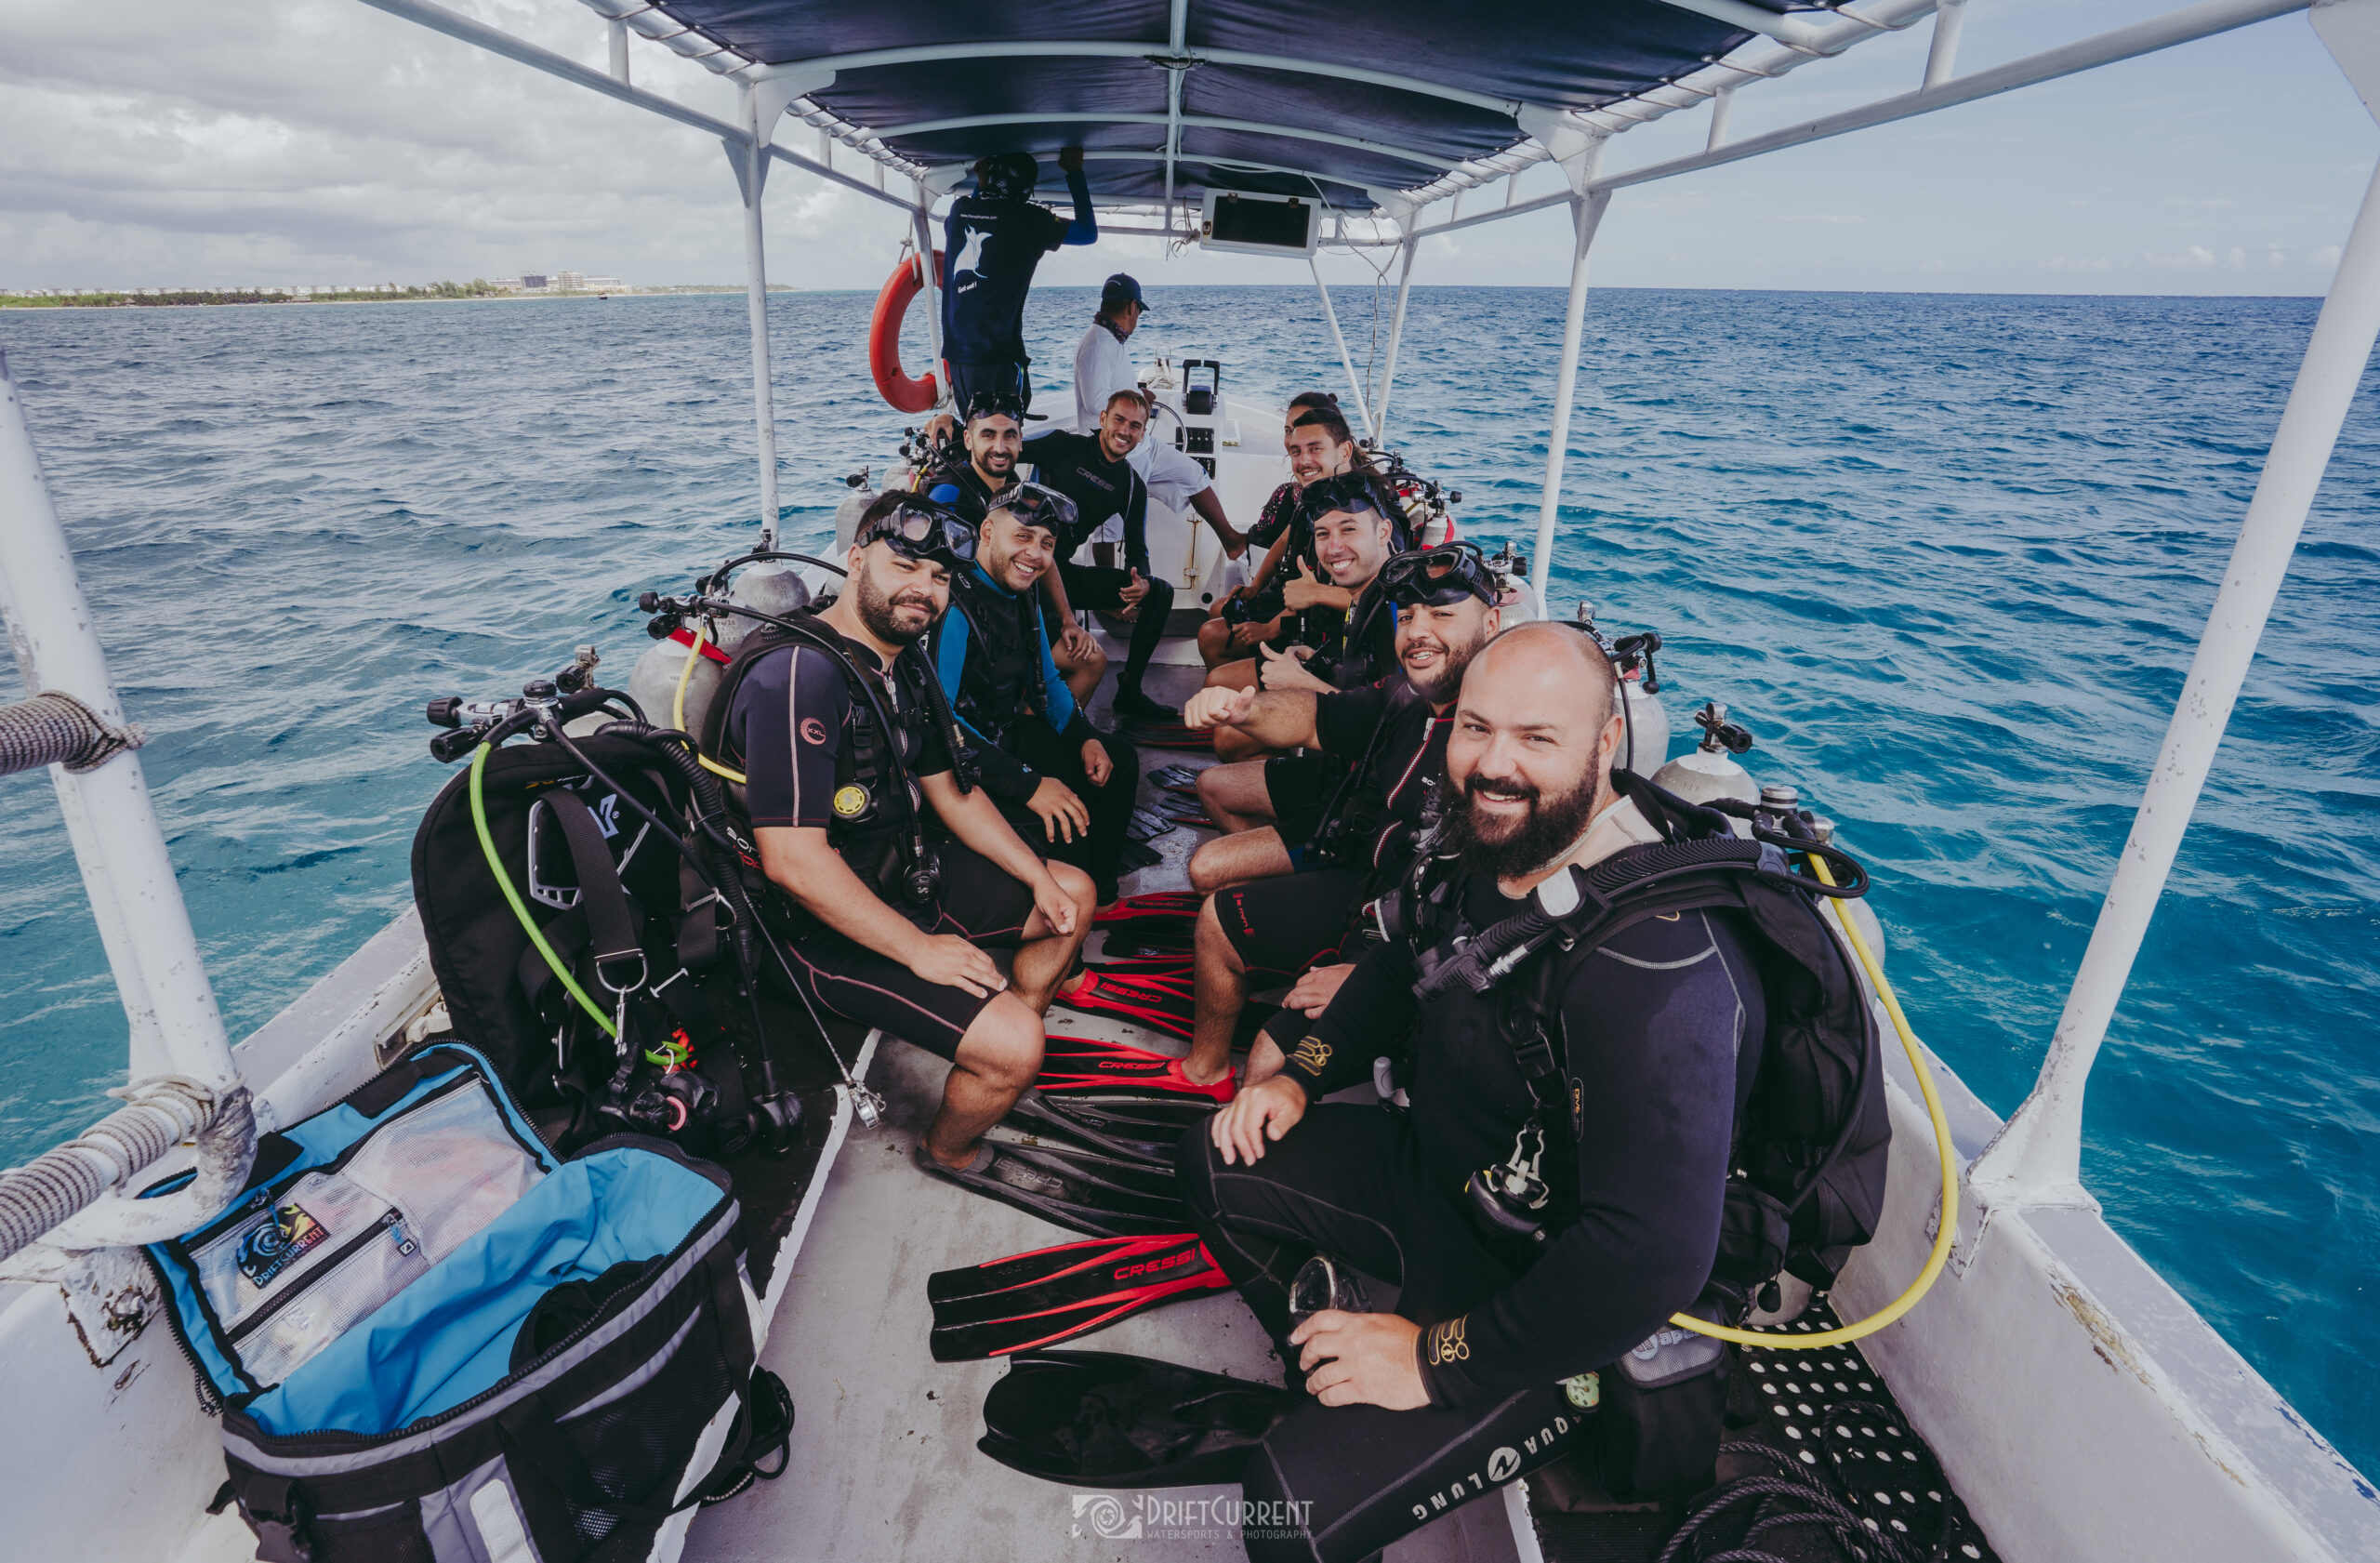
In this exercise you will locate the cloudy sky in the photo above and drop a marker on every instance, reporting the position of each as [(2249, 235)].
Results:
[(162, 143)]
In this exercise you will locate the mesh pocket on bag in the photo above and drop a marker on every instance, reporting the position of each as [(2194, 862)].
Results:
[(635, 1442)]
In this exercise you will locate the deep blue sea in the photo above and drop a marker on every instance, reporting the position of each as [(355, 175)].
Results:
[(1946, 556)]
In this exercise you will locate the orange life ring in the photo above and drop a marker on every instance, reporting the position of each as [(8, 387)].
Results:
[(906, 395)]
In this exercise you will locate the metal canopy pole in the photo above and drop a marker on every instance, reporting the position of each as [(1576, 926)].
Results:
[(2037, 1157), (1587, 214), (922, 220), (126, 870), (1396, 341), (751, 162), (1346, 361)]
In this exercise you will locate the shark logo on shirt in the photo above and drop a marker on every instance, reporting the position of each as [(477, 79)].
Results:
[(970, 254)]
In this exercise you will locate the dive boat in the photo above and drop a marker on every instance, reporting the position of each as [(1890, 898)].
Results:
[(2050, 1395)]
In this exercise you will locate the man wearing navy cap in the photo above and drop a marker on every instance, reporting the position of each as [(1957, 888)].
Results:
[(1103, 367)]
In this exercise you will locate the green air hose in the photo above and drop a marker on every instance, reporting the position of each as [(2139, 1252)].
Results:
[(513, 897)]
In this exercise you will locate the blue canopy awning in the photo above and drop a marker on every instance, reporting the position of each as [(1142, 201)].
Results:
[(1334, 97)]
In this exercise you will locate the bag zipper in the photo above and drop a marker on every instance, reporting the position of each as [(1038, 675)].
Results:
[(247, 1207), (255, 1321)]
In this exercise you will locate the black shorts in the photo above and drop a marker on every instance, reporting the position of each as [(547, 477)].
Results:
[(1280, 927), (980, 901), (1299, 787)]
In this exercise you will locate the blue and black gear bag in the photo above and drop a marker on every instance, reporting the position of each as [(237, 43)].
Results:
[(433, 1340)]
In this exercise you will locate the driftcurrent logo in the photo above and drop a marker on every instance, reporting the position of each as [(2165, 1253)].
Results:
[(1110, 1517), (1103, 1515)]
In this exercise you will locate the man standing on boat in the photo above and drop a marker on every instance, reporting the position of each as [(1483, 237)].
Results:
[(1062, 783), (834, 724), (1288, 898), (1103, 367), (1482, 1371), (993, 242)]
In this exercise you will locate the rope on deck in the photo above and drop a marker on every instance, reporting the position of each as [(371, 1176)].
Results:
[(55, 729)]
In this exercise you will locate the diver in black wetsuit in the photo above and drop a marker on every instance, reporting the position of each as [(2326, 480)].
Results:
[(1473, 1381), (1095, 472), (1286, 898), (1064, 784), (844, 770), (993, 242)]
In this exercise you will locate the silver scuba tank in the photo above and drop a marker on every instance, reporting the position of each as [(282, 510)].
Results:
[(1646, 746), (1709, 770), (772, 586)]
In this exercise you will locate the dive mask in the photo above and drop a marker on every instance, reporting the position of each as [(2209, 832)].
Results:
[(1438, 576), (923, 530)]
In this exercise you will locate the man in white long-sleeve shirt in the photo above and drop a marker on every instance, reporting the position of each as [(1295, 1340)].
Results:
[(1103, 367)]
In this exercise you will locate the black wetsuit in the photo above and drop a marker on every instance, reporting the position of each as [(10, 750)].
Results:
[(1390, 750), (1076, 466), (1361, 647), (991, 248), (1661, 1027), (994, 661), (793, 727)]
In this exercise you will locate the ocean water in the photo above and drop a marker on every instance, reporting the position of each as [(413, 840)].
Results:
[(1947, 557)]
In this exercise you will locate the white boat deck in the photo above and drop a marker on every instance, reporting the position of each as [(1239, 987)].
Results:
[(884, 1464)]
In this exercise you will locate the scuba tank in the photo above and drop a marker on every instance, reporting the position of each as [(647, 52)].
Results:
[(1648, 724), (1711, 772), (847, 515), (1647, 744), (770, 586)]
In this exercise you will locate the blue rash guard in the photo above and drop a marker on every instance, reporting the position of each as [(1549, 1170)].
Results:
[(990, 251)]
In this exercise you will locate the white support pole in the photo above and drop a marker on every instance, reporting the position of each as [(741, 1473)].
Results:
[(2037, 1157), (1587, 215), (620, 53), (1346, 361), (1396, 341), (921, 221), (1722, 103), (1942, 58), (126, 870), (755, 169)]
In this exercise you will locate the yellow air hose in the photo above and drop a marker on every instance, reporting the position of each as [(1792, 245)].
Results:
[(678, 705), (1947, 1230)]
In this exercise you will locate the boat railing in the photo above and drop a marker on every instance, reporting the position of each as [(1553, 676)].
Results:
[(184, 1086)]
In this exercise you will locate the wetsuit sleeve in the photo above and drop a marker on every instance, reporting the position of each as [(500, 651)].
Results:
[(1657, 1025), (1007, 778), (793, 709), (1136, 528), (1372, 1011), (1345, 722), (1084, 230), (1064, 715)]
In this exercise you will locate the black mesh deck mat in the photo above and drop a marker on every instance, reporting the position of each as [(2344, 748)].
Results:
[(1817, 1466)]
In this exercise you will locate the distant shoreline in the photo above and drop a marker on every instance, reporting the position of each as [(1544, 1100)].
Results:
[(201, 299)]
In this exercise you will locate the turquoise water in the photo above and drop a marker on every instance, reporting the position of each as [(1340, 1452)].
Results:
[(1946, 556)]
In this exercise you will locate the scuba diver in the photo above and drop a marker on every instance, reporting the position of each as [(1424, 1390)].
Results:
[(848, 751), (1319, 444), (1519, 1281), (1353, 542), (993, 242), (1288, 898), (1042, 761), (1094, 470), (1103, 367), (992, 439)]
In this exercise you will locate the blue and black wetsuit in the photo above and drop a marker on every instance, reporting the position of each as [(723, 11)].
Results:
[(993, 658), (991, 249), (1661, 1027)]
